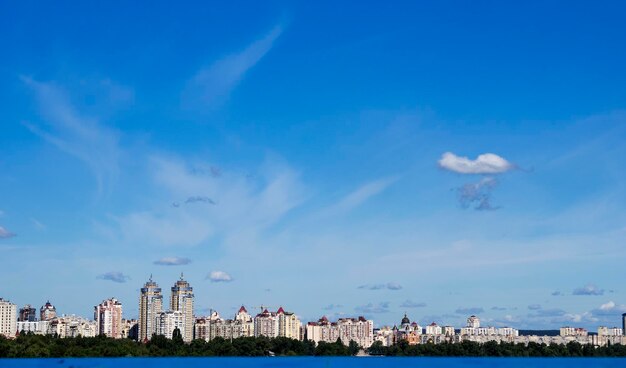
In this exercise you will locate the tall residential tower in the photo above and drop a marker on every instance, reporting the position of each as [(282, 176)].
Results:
[(150, 305), (182, 301), (108, 317)]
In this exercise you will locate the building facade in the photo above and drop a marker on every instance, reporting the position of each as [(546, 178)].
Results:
[(266, 324), (108, 317), (71, 326), (8, 318), (27, 314), (169, 321), (359, 330), (182, 301), (47, 312), (150, 307), (288, 325)]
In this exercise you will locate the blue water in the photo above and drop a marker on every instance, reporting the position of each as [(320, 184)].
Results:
[(311, 362)]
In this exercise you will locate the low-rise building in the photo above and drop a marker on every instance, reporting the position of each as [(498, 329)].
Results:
[(167, 322), (359, 330)]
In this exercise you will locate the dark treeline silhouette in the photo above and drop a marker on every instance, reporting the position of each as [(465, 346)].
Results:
[(32, 346)]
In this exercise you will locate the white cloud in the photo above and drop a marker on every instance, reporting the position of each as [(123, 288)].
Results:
[(219, 276), (212, 85), (80, 136), (5, 234), (607, 306), (487, 163), (363, 193), (172, 261)]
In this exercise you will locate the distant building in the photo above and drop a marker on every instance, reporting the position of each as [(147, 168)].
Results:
[(182, 301), (624, 324), (150, 306), (71, 326), (35, 327), (47, 312), (605, 331), (288, 324), (8, 318), (266, 324), (473, 322), (27, 314), (573, 331), (208, 328), (167, 322), (359, 330), (108, 317), (434, 329), (130, 329)]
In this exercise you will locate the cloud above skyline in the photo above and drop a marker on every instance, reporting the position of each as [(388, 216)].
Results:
[(371, 308), (410, 304), (74, 133), (589, 289), (487, 163), (219, 276), (388, 286), (212, 85), (469, 310), (5, 234), (114, 276), (172, 261)]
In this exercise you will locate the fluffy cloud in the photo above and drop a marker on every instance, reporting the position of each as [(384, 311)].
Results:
[(388, 286), (5, 234), (370, 308), (114, 276), (588, 290), (410, 304), (219, 276), (487, 163), (172, 261), (469, 310)]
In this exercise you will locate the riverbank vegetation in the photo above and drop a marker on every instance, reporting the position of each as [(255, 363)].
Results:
[(37, 346)]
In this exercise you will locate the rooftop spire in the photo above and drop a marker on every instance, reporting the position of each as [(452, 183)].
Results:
[(181, 276)]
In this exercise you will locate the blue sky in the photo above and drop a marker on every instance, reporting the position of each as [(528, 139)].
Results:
[(438, 159)]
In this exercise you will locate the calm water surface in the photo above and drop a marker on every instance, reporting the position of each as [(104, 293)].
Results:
[(314, 362)]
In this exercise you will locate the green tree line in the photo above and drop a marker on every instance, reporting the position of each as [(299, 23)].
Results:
[(34, 346)]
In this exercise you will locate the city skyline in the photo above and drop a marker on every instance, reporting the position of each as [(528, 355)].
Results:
[(439, 159)]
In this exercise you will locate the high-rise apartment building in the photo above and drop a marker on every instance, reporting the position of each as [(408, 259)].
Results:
[(150, 306), (288, 324), (8, 318), (182, 301), (108, 317), (359, 330), (27, 314), (47, 312), (266, 324)]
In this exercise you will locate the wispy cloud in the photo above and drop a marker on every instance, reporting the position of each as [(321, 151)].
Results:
[(496, 308), (588, 290), (469, 310), (410, 304), (556, 293), (370, 308), (219, 276), (534, 307), (200, 199), (389, 286), (363, 193), (172, 261), (487, 163), (5, 234), (212, 85), (114, 276), (80, 136), (331, 307)]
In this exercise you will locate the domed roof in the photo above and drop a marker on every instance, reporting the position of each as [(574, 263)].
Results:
[(405, 320)]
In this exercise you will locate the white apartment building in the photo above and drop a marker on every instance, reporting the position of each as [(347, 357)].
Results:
[(266, 324), (434, 329), (359, 330), (572, 331), (108, 317), (167, 322), (288, 325), (473, 322), (605, 331), (71, 326), (36, 327), (8, 318)]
